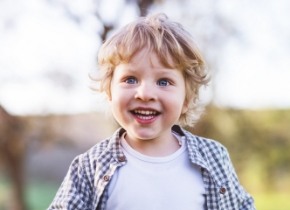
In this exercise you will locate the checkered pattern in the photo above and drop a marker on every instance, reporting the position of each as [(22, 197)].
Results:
[(84, 187)]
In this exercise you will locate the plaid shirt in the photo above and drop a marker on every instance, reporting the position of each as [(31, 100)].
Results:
[(85, 185)]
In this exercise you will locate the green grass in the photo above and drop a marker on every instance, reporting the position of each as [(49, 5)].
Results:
[(272, 201), (4, 193), (39, 195)]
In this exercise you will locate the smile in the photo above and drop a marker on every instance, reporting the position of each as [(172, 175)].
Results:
[(145, 112), (145, 115)]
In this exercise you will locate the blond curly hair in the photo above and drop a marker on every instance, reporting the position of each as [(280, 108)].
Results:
[(171, 42)]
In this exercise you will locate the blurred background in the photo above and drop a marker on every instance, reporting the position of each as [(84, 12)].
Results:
[(49, 114)]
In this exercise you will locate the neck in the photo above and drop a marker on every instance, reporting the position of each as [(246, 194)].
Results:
[(154, 147)]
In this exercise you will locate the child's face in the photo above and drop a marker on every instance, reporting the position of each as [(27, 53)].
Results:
[(147, 98)]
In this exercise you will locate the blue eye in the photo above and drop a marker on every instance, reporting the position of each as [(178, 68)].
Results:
[(131, 80), (163, 82)]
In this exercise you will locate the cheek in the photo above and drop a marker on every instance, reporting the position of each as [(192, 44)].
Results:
[(118, 97)]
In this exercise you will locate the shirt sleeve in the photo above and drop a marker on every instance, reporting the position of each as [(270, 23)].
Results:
[(246, 200), (75, 192)]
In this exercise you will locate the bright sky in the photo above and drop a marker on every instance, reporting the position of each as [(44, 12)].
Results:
[(37, 40), (257, 70)]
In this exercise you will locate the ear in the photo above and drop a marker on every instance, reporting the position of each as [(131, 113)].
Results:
[(185, 107), (108, 96)]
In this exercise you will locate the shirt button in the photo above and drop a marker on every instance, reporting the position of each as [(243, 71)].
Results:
[(122, 158), (223, 190), (106, 178)]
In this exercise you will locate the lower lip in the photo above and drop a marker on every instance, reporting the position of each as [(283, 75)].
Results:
[(145, 119)]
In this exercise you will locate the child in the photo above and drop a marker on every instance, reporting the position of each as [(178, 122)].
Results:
[(151, 73)]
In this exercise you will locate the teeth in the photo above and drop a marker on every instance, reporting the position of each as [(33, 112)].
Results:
[(145, 112)]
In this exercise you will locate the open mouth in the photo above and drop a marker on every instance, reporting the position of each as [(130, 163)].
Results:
[(145, 114)]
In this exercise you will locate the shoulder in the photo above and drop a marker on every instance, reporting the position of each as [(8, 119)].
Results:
[(202, 148), (211, 155), (202, 144), (214, 157), (95, 151), (102, 152), (110, 144), (83, 165)]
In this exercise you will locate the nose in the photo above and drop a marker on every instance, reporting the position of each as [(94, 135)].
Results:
[(146, 92)]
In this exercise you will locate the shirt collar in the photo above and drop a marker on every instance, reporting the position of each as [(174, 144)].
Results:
[(192, 145)]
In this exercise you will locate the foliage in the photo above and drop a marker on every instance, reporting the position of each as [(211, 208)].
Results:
[(272, 201), (258, 141), (39, 195)]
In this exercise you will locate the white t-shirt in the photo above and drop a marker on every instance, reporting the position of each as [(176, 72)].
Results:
[(156, 183)]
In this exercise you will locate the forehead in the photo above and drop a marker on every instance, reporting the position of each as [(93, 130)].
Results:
[(150, 58), (146, 63)]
